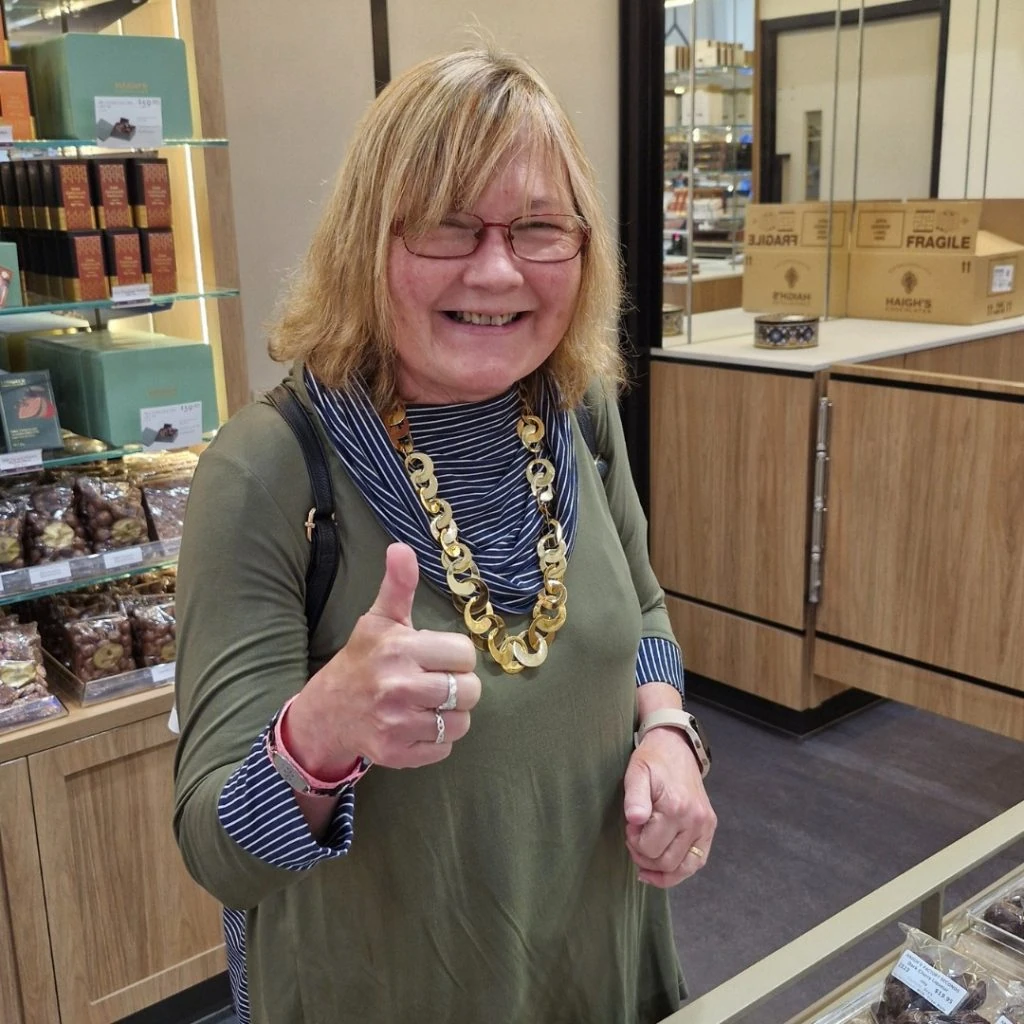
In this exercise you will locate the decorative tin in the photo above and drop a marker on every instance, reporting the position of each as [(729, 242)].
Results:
[(785, 330), (671, 320)]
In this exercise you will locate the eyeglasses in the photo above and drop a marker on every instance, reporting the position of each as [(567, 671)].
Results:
[(539, 238)]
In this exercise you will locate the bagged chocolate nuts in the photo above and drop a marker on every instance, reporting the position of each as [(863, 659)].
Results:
[(13, 509), (165, 503), (153, 630), (100, 647), (53, 531), (22, 675), (112, 512)]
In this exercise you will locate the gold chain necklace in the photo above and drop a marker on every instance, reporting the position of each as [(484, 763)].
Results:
[(470, 594)]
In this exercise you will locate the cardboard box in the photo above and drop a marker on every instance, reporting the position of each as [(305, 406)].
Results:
[(123, 254), (938, 261), (69, 198), (158, 260), (70, 71), (785, 262), (149, 191), (112, 377), (108, 180), (80, 266), (16, 102)]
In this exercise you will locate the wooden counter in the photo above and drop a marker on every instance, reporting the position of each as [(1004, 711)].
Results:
[(99, 917), (919, 485)]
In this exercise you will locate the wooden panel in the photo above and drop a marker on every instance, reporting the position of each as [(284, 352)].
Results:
[(27, 992), (752, 657), (730, 487), (965, 702), (924, 553), (925, 378), (709, 293), (128, 926), (999, 358)]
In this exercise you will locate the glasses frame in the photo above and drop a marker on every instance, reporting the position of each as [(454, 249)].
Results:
[(484, 224)]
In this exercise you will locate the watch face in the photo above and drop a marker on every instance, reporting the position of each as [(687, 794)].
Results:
[(288, 772)]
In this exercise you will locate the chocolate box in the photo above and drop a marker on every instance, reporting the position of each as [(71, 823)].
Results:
[(158, 260), (108, 180), (124, 257), (149, 191)]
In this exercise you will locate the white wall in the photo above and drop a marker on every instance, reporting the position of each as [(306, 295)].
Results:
[(574, 44), (296, 79)]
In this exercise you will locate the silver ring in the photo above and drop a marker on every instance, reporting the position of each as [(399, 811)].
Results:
[(453, 694), (439, 718)]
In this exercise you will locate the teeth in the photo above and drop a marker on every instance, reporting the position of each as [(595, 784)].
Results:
[(484, 319)]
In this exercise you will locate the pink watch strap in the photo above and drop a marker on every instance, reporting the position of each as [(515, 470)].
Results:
[(359, 767)]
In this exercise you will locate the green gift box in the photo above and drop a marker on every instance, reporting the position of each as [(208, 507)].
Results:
[(104, 381), (68, 72)]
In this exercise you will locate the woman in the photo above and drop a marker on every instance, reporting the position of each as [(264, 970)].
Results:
[(459, 297)]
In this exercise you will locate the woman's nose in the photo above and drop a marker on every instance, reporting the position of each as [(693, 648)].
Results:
[(494, 264)]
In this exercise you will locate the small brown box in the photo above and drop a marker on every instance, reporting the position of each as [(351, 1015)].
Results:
[(16, 102), (124, 257), (40, 214), (109, 182), (23, 198), (149, 191), (158, 262), (72, 209), (85, 271)]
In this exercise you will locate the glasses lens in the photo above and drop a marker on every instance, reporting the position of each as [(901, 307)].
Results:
[(547, 238), (456, 235)]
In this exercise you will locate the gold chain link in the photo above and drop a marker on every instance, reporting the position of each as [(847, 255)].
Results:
[(513, 652)]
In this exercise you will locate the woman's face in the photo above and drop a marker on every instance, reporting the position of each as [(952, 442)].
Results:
[(442, 357)]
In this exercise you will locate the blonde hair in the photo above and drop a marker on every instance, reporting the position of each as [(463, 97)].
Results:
[(428, 144)]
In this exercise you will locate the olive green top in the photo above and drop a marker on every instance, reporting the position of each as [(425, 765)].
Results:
[(493, 887)]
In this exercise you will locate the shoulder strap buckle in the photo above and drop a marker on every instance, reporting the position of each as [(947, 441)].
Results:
[(311, 522)]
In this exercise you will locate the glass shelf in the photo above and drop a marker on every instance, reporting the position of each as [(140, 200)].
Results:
[(48, 144), (86, 570), (737, 77), (143, 307)]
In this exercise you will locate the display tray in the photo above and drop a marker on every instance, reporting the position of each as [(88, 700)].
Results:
[(976, 915), (27, 712), (97, 690), (55, 577)]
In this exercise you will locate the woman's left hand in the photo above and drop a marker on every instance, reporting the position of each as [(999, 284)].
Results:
[(668, 814)]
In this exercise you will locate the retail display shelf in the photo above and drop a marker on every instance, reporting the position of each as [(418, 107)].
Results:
[(28, 145), (29, 711), (154, 301), (96, 690), (13, 463), (86, 570), (712, 129), (737, 77)]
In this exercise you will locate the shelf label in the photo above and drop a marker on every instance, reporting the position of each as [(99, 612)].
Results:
[(172, 426), (119, 559), (6, 134), (16, 462), (129, 122), (163, 673), (58, 572), (1002, 278), (132, 294), (923, 979)]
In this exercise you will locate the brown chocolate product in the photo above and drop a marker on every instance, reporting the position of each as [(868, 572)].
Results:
[(1006, 915), (13, 509), (72, 208), (149, 190), (165, 504), (22, 675), (1013, 1013), (158, 260), (100, 647), (123, 256), (53, 531), (154, 633), (54, 613), (112, 512), (83, 267), (108, 179)]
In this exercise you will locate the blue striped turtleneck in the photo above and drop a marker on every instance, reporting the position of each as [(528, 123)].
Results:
[(480, 465)]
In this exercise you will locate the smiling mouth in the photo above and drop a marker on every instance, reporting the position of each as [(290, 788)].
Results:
[(482, 319)]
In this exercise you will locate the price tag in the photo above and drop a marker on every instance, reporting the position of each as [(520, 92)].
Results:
[(6, 134), (172, 426), (56, 573), (163, 673), (1002, 278), (129, 122), (119, 559), (16, 462), (132, 294), (920, 977)]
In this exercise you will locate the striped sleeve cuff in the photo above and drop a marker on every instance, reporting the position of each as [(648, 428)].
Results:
[(659, 661), (258, 810)]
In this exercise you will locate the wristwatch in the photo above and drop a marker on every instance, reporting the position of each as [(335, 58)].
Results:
[(673, 718), (296, 776)]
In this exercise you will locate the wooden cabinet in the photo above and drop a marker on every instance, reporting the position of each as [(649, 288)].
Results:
[(128, 927), (27, 991)]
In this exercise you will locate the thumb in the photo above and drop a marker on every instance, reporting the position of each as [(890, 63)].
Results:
[(397, 589), (638, 793)]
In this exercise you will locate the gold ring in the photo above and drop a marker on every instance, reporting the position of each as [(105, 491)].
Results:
[(697, 852)]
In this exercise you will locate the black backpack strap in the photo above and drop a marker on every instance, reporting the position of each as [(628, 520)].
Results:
[(321, 529), (585, 419)]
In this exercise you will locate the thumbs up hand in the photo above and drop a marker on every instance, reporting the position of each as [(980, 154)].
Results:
[(378, 696)]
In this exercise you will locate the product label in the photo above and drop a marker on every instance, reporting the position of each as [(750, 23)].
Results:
[(6, 134), (119, 559), (14, 462), (1002, 278), (58, 572), (132, 294), (163, 673), (1002, 1019), (923, 979), (172, 426), (129, 122)]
